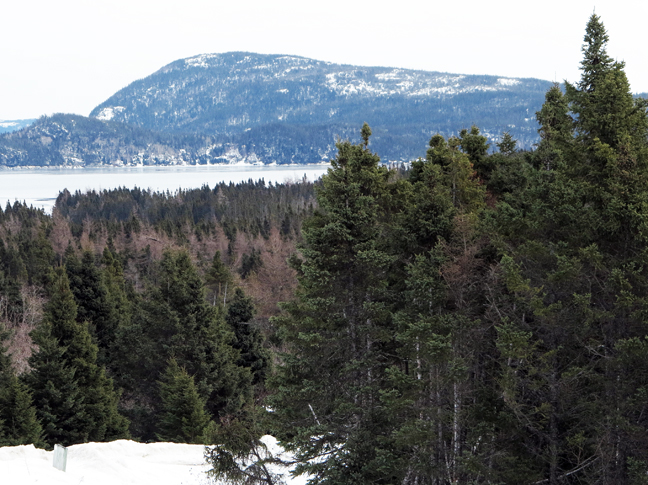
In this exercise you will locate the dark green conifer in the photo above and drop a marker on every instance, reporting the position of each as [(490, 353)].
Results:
[(475, 145), (174, 320), (18, 422), (201, 343), (339, 332), (120, 307), (58, 400), (75, 400), (218, 279), (250, 263), (249, 341), (94, 306), (572, 278), (365, 133), (20, 425), (507, 145), (556, 131), (182, 417), (457, 174)]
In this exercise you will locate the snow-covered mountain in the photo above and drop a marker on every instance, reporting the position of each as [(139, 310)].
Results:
[(236, 92), (250, 108), (77, 141)]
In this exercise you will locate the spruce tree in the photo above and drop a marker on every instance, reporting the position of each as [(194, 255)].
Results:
[(201, 341), (18, 422), (120, 306), (507, 145), (475, 145), (94, 306), (240, 456), (218, 279), (457, 174), (556, 131), (75, 400), (338, 332), (570, 298), (182, 418), (249, 341), (441, 343), (58, 400), (175, 321)]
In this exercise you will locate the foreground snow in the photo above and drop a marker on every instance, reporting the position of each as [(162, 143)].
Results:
[(117, 463)]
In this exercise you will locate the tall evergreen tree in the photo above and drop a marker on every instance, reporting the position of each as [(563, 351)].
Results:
[(94, 306), (75, 400), (56, 393), (183, 418), (475, 145), (201, 342), (556, 131), (569, 311), (338, 332), (249, 341), (442, 344), (120, 307), (218, 279), (457, 174), (174, 320), (18, 422)]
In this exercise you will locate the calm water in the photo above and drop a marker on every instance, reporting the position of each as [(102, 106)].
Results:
[(40, 187)]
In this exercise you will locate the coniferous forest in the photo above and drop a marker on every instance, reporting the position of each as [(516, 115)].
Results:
[(477, 316)]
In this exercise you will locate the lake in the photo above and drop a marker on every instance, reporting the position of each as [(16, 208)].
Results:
[(40, 187)]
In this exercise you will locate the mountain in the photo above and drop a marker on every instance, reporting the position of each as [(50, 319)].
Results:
[(68, 140), (242, 107), (7, 126), (73, 140), (309, 103)]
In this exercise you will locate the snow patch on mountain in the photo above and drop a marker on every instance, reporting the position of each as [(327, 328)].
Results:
[(408, 83), (109, 113), (508, 81), (201, 60)]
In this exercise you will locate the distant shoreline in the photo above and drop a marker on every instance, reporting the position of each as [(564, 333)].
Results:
[(175, 166)]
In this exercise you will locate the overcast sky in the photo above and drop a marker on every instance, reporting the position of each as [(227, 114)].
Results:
[(70, 55)]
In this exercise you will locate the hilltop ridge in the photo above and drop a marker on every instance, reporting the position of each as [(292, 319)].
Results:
[(240, 107)]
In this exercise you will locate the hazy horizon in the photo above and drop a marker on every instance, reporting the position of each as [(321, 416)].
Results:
[(70, 56)]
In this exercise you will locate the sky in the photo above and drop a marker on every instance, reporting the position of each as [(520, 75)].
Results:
[(71, 55)]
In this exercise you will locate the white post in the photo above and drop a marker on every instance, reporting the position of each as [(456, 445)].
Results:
[(60, 457)]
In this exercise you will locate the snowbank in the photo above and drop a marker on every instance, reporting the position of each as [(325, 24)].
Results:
[(120, 462), (117, 463)]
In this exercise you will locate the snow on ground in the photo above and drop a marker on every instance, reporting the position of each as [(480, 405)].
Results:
[(120, 462)]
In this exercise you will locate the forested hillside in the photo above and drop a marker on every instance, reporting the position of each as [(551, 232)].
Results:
[(243, 107), (479, 317), (294, 108), (98, 275), (64, 140)]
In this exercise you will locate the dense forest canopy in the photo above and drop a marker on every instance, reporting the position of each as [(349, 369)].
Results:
[(476, 317)]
